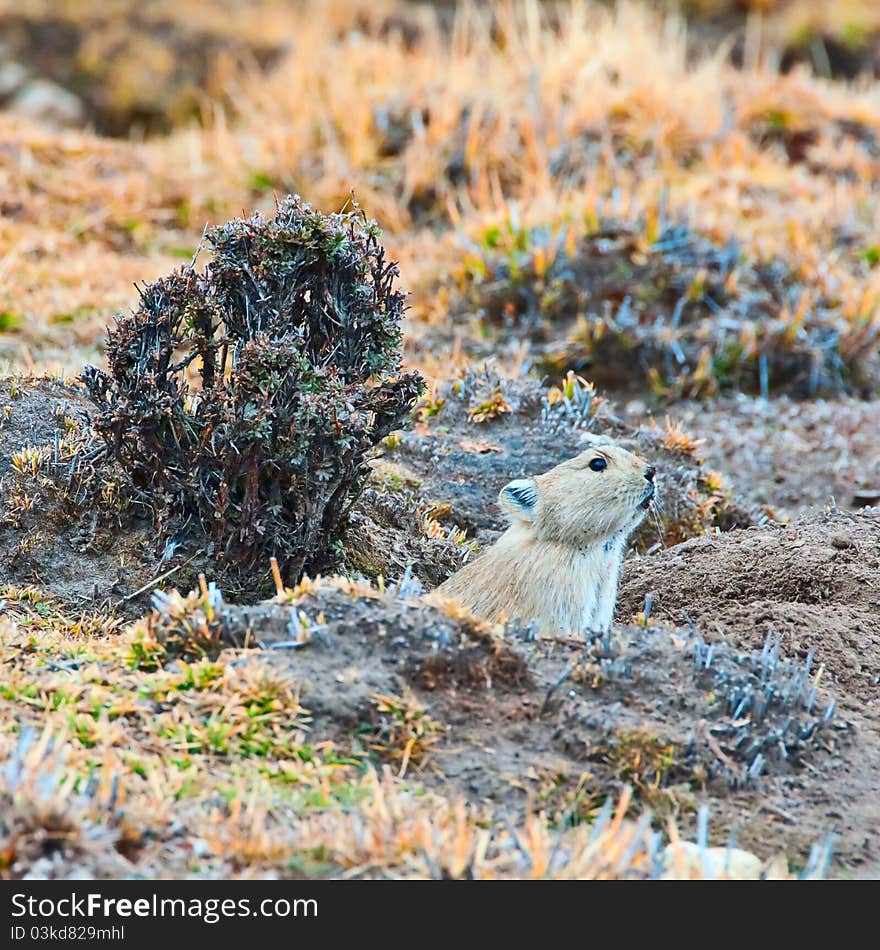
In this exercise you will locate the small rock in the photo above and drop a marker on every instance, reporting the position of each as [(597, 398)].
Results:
[(48, 102), (12, 77), (686, 859)]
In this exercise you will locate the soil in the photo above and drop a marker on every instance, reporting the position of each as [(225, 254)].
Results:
[(52, 544), (459, 464), (814, 582)]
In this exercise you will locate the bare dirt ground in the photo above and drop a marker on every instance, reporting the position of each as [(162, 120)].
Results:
[(814, 584), (34, 413), (790, 455)]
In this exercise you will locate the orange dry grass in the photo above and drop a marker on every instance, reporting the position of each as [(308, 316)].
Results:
[(498, 104), (56, 823)]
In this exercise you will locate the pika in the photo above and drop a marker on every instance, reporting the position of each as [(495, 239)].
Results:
[(559, 561)]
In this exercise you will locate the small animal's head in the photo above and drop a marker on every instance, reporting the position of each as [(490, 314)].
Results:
[(599, 493)]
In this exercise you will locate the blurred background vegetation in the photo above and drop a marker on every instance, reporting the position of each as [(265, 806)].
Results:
[(487, 139)]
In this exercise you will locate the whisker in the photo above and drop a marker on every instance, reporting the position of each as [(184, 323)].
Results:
[(658, 523)]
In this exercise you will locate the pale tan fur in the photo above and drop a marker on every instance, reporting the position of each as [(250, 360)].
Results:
[(558, 562)]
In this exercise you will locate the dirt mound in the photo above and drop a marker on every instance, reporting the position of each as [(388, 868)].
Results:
[(46, 539), (558, 725), (346, 643), (483, 430), (815, 582)]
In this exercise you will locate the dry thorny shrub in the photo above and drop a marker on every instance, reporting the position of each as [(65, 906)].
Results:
[(240, 402)]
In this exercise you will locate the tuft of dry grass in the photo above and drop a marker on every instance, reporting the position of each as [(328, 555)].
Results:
[(188, 627), (404, 732), (45, 821)]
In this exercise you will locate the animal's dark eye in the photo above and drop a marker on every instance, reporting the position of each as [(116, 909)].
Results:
[(598, 464)]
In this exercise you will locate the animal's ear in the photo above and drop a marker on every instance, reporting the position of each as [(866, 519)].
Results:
[(519, 498)]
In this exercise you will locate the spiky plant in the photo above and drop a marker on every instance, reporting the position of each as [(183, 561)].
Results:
[(241, 401)]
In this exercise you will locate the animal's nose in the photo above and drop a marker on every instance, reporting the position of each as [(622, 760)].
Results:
[(650, 472)]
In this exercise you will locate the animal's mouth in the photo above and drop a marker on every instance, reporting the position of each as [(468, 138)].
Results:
[(649, 497)]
